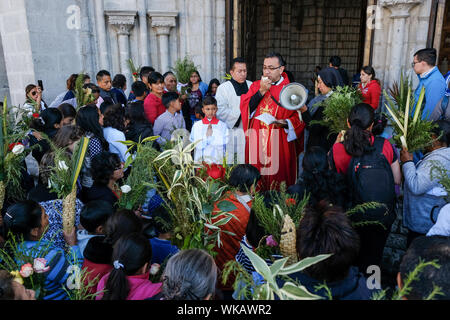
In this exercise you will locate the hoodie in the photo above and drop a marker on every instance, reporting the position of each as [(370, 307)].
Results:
[(442, 225), (421, 193)]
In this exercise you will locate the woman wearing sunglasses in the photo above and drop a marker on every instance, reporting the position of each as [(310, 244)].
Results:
[(34, 102)]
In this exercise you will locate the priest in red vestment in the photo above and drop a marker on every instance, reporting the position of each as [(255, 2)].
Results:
[(272, 145)]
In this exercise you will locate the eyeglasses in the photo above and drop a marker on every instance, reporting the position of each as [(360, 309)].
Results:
[(271, 68), (414, 63), (33, 93)]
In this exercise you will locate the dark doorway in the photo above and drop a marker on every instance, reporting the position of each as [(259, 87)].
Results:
[(306, 32)]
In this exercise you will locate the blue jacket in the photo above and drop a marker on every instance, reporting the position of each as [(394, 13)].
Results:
[(421, 193), (435, 87)]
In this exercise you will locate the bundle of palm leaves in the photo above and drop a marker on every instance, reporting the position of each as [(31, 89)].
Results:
[(411, 131), (337, 108)]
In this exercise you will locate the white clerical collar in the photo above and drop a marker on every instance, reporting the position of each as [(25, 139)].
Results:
[(279, 81)]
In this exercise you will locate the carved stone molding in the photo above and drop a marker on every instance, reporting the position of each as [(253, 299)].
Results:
[(122, 21), (162, 21), (400, 8)]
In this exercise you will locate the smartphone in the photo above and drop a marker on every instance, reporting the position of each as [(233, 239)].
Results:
[(41, 85)]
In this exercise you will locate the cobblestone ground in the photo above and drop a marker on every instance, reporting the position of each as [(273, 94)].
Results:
[(394, 250)]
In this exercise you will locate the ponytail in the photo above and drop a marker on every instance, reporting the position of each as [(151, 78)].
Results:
[(357, 138), (131, 252)]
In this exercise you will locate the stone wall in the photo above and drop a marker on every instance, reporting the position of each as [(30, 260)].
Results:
[(16, 48), (401, 30), (49, 40), (4, 87)]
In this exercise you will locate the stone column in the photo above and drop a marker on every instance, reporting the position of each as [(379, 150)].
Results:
[(123, 22), (398, 58), (143, 33), (101, 35), (162, 22)]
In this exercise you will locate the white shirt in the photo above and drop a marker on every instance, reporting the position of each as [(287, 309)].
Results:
[(211, 149), (113, 136), (228, 103)]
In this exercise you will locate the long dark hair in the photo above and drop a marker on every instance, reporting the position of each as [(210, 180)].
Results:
[(321, 182), (47, 120), (199, 78), (131, 252), (87, 119), (357, 138), (22, 217), (370, 71), (122, 222), (114, 117)]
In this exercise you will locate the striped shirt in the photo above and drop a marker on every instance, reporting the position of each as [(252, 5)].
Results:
[(59, 262), (242, 258)]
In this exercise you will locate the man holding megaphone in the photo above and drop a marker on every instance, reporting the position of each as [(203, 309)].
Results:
[(273, 130)]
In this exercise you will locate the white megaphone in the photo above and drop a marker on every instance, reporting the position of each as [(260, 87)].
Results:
[(293, 96)]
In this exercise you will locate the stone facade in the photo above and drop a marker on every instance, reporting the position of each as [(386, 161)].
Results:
[(49, 40)]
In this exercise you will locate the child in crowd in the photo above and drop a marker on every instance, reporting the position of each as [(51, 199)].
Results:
[(113, 130), (66, 137), (199, 112), (28, 219), (48, 123), (212, 133), (170, 120), (105, 85), (99, 249), (106, 170), (140, 91), (119, 85), (161, 245), (128, 280), (93, 218), (69, 113)]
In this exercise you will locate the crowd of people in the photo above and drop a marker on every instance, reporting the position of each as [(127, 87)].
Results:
[(229, 121)]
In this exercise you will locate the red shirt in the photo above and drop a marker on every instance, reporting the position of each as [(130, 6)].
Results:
[(153, 107), (341, 158), (371, 93), (230, 244)]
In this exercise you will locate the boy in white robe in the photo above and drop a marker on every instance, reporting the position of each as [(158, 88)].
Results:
[(213, 134)]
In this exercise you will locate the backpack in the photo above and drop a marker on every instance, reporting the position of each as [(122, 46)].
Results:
[(371, 179)]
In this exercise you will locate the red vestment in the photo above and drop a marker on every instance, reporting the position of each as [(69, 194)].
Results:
[(267, 147)]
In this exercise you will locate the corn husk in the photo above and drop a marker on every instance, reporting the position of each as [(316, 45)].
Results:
[(2, 194), (69, 211), (288, 240)]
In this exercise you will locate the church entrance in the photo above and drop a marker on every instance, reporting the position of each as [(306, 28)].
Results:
[(306, 32)]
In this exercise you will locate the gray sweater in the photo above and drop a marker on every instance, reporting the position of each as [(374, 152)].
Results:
[(421, 193)]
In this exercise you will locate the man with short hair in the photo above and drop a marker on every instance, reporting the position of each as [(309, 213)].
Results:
[(274, 135), (104, 83), (427, 249), (335, 62), (228, 98), (424, 65)]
